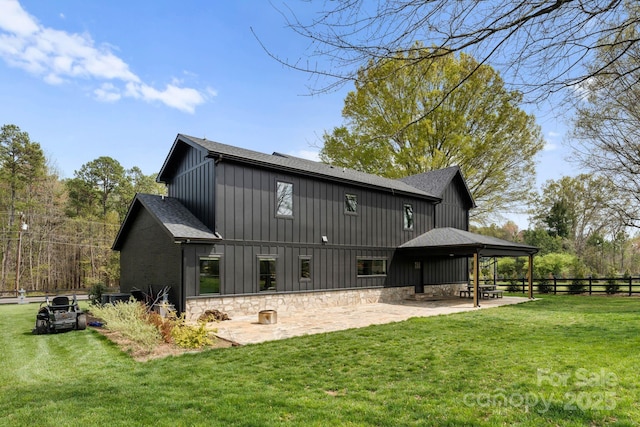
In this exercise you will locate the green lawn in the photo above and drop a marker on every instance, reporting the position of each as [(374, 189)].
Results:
[(556, 361)]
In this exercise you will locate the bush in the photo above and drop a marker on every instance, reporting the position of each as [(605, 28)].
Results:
[(544, 287), (576, 286), (187, 336), (95, 293), (130, 318), (514, 285), (611, 287)]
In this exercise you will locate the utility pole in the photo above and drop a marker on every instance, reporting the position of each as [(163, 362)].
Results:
[(23, 227)]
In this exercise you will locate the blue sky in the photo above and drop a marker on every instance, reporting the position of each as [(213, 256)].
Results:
[(118, 78)]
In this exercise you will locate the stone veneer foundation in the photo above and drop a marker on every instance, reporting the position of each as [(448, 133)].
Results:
[(247, 305)]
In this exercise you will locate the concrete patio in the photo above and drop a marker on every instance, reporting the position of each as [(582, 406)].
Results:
[(247, 330)]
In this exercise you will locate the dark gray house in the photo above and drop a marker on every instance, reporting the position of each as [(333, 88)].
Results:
[(243, 231)]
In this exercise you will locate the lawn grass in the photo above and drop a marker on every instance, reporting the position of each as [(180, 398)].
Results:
[(560, 360)]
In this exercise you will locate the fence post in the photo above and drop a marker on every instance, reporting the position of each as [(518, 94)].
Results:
[(630, 285), (523, 286), (555, 284), (589, 284)]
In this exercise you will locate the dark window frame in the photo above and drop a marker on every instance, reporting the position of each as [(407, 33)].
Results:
[(366, 266), (282, 210), (217, 258), (350, 204), (301, 260), (273, 275), (408, 222)]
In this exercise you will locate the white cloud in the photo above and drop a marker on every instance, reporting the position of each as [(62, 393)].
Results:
[(57, 57), (553, 134), (107, 93)]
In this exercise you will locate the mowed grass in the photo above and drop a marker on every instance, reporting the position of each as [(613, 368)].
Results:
[(556, 361)]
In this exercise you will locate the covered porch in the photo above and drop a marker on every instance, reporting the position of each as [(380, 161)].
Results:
[(455, 243)]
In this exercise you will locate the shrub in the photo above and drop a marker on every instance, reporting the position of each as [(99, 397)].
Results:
[(544, 287), (187, 336), (611, 287), (514, 285), (95, 293), (576, 286), (129, 318)]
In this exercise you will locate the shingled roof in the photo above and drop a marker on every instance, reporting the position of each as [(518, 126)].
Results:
[(292, 164), (455, 242), (435, 182), (173, 216)]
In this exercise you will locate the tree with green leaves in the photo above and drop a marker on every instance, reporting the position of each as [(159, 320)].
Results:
[(97, 184), (22, 164), (397, 125), (575, 208)]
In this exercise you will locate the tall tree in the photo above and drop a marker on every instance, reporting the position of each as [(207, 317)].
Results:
[(98, 181), (480, 127), (22, 163), (575, 208), (606, 136), (544, 46)]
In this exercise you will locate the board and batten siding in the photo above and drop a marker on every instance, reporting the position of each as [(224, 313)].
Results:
[(193, 185), (246, 198), (150, 258), (238, 201), (452, 212)]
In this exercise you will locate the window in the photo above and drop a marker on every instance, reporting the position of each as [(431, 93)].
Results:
[(408, 216), (305, 268), (372, 267), (267, 276), (350, 203), (209, 276), (284, 199)]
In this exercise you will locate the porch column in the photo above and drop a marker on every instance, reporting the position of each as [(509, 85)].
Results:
[(530, 276), (476, 278)]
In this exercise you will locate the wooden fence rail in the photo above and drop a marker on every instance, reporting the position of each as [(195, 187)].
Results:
[(572, 285)]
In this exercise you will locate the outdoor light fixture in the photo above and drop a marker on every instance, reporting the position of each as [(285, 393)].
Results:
[(325, 239)]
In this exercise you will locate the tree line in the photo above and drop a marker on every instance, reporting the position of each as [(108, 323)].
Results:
[(57, 233)]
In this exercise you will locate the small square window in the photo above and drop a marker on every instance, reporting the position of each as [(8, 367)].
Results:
[(407, 216), (350, 203)]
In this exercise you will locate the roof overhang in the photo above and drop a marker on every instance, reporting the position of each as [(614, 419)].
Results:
[(453, 242), (173, 218)]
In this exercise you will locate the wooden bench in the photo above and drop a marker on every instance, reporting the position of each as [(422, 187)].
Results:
[(493, 294)]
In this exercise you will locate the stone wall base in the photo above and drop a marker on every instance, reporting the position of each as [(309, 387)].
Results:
[(247, 305), (445, 290)]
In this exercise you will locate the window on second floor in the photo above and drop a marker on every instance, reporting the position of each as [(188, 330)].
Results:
[(350, 203), (284, 199), (407, 215)]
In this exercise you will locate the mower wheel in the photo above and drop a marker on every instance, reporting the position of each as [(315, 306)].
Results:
[(42, 327), (81, 322)]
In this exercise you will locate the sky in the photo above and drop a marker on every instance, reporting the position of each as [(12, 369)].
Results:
[(121, 79)]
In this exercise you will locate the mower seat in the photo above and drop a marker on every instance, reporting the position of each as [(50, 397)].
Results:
[(61, 303)]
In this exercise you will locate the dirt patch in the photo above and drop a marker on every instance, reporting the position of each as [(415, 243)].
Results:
[(164, 349)]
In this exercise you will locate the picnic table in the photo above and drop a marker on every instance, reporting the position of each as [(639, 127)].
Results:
[(484, 291)]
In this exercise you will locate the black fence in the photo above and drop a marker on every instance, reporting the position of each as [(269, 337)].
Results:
[(572, 285)]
